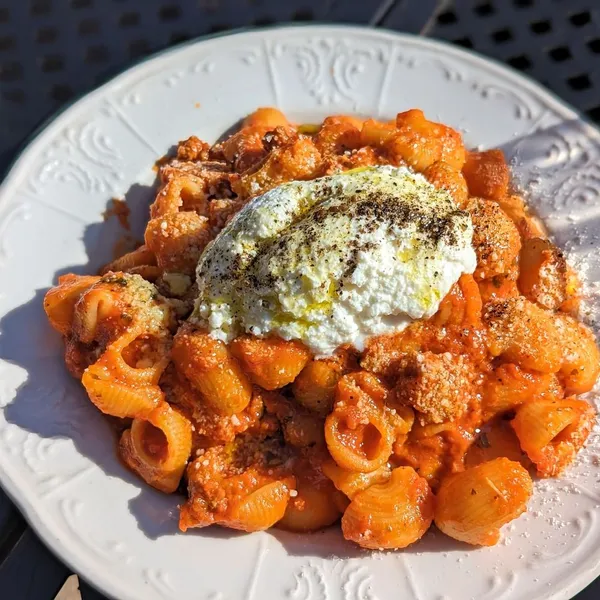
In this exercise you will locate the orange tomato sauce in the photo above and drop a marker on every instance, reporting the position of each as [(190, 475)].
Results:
[(432, 400)]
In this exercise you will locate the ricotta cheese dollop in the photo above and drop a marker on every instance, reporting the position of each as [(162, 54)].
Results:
[(335, 260)]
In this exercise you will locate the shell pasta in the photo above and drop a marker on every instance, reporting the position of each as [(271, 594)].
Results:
[(472, 506), (444, 414), (551, 432), (158, 447), (358, 431), (393, 514), (209, 366)]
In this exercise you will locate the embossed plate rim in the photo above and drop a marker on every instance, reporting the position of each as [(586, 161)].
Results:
[(34, 509)]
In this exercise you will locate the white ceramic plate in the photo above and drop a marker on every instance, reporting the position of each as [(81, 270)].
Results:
[(57, 459)]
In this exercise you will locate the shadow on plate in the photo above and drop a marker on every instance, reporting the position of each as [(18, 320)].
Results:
[(559, 166), (52, 405)]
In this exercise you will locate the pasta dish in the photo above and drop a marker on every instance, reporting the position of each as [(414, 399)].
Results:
[(355, 321)]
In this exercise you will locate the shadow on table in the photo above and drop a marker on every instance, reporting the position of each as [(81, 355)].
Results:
[(52, 405)]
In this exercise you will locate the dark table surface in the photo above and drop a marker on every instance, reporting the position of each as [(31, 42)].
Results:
[(54, 50)]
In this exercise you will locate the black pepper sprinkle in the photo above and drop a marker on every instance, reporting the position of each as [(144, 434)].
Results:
[(367, 208)]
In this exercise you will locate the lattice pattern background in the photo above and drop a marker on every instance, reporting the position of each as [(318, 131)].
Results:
[(54, 50), (556, 42)]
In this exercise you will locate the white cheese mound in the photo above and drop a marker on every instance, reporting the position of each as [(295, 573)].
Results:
[(335, 260)]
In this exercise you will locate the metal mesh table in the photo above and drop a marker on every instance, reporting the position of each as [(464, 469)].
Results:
[(54, 50), (557, 42)]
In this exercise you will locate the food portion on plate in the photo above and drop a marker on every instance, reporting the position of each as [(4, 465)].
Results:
[(356, 320)]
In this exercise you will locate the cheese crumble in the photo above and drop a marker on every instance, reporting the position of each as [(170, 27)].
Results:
[(335, 260)]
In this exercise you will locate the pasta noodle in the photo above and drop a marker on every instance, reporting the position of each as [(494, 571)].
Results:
[(420, 143), (523, 333), (487, 174), (208, 364), (158, 446), (300, 160), (136, 359), (137, 259), (180, 193), (375, 133), (438, 386), (543, 273), (261, 509), (315, 504), (266, 117), (393, 514), (462, 306), (496, 441), (447, 177), (209, 425), (495, 238), (260, 432), (337, 135), (59, 302), (528, 225), (551, 432), (271, 363), (437, 450), (246, 486), (358, 433), (177, 240), (581, 358), (95, 305), (352, 482), (472, 506), (509, 386), (116, 398), (314, 387)]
